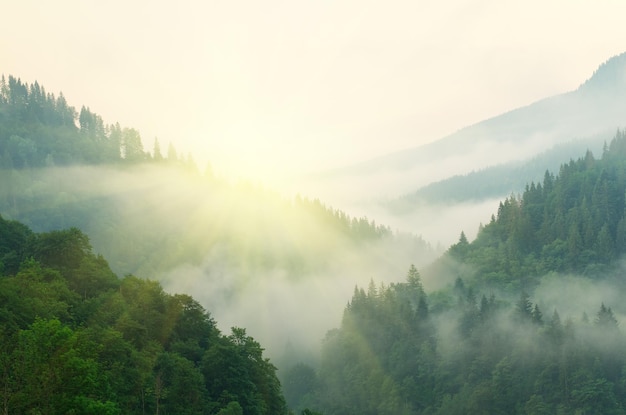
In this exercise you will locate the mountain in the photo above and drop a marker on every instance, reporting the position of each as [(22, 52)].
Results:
[(224, 243), (497, 181), (571, 222), (158, 217), (596, 108), (285, 268), (527, 322)]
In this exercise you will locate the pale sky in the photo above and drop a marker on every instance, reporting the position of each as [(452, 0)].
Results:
[(277, 87)]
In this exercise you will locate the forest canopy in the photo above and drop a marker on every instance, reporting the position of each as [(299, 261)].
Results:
[(39, 129), (493, 341), (75, 338), (572, 222)]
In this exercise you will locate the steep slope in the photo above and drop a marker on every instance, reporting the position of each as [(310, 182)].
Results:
[(236, 247), (38, 129), (500, 180), (528, 322), (399, 350), (76, 339), (158, 217), (571, 222), (597, 107)]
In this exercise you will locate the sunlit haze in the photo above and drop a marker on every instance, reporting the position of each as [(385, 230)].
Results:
[(270, 89), (313, 207)]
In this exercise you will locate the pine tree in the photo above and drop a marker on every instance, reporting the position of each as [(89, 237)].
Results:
[(605, 317), (414, 279)]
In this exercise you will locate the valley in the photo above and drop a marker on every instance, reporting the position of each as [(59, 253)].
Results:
[(428, 281)]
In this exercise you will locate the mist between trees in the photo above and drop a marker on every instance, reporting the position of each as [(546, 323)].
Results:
[(523, 318)]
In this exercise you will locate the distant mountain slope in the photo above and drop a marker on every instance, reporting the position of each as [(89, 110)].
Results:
[(597, 107), (237, 248), (513, 331), (155, 216), (498, 181)]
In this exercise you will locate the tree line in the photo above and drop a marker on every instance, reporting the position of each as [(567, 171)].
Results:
[(480, 344), (572, 222), (39, 129), (457, 351)]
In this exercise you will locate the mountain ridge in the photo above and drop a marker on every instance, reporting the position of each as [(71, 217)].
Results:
[(503, 179), (593, 108)]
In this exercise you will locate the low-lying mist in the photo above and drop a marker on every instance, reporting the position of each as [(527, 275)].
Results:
[(278, 310), (574, 296), (440, 224), (389, 180), (282, 268)]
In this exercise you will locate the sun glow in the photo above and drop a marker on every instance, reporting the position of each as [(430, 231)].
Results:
[(250, 255)]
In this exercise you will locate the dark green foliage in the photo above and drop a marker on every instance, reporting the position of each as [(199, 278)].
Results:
[(496, 356), (573, 222), (502, 357), (379, 362), (14, 243), (76, 339), (235, 370), (56, 372)]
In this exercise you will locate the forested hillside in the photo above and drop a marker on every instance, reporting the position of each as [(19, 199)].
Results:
[(401, 351), (151, 218), (514, 331), (157, 216), (496, 181), (39, 129), (571, 222), (596, 108), (62, 168), (524, 319), (76, 339)]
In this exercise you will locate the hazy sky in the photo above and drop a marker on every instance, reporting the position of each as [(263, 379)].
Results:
[(275, 86)]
